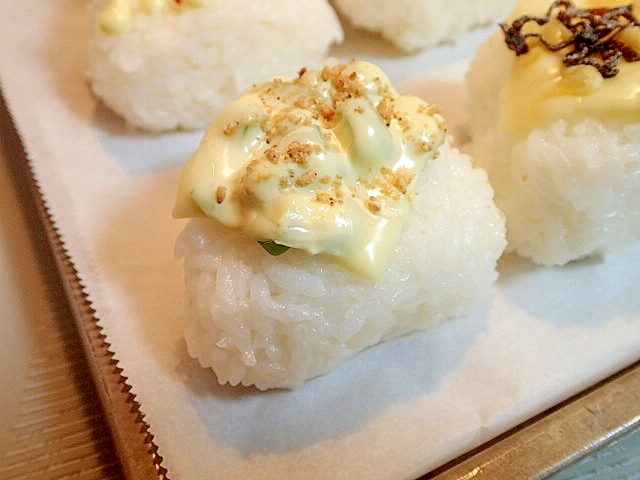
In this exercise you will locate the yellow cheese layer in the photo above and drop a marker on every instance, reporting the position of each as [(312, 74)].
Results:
[(541, 89), (116, 16)]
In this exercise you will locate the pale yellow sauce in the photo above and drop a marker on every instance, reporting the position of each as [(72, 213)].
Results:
[(541, 89), (325, 162), (116, 16)]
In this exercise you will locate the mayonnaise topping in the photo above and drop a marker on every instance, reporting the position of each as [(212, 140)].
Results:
[(541, 88), (116, 16), (324, 162)]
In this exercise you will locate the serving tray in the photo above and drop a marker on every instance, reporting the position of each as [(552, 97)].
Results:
[(534, 449), (50, 428), (520, 445)]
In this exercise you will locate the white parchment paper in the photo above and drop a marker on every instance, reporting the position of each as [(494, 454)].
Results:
[(395, 411)]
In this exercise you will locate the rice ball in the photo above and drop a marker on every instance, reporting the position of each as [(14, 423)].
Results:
[(275, 322), (165, 65), (567, 180), (328, 213), (413, 25)]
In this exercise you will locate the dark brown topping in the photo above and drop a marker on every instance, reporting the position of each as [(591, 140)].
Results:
[(374, 204), (327, 199), (327, 112), (271, 155), (307, 178), (231, 128), (221, 193), (400, 178), (291, 103), (424, 144), (390, 185), (593, 35), (296, 152), (385, 110), (284, 183), (336, 186), (345, 84), (334, 194), (299, 152)]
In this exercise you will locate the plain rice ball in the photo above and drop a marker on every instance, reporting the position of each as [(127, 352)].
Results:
[(413, 25), (178, 68)]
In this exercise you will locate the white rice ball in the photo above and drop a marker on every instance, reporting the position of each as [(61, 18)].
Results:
[(416, 24), (274, 322), (177, 69), (570, 189)]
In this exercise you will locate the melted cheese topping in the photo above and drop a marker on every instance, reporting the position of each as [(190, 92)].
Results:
[(324, 162), (116, 16), (541, 89)]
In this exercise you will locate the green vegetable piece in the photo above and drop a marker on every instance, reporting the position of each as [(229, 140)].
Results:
[(273, 248)]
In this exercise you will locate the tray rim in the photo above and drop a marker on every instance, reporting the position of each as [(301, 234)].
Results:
[(558, 436), (131, 436)]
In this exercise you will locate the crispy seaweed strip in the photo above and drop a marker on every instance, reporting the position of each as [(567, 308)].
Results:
[(593, 35)]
